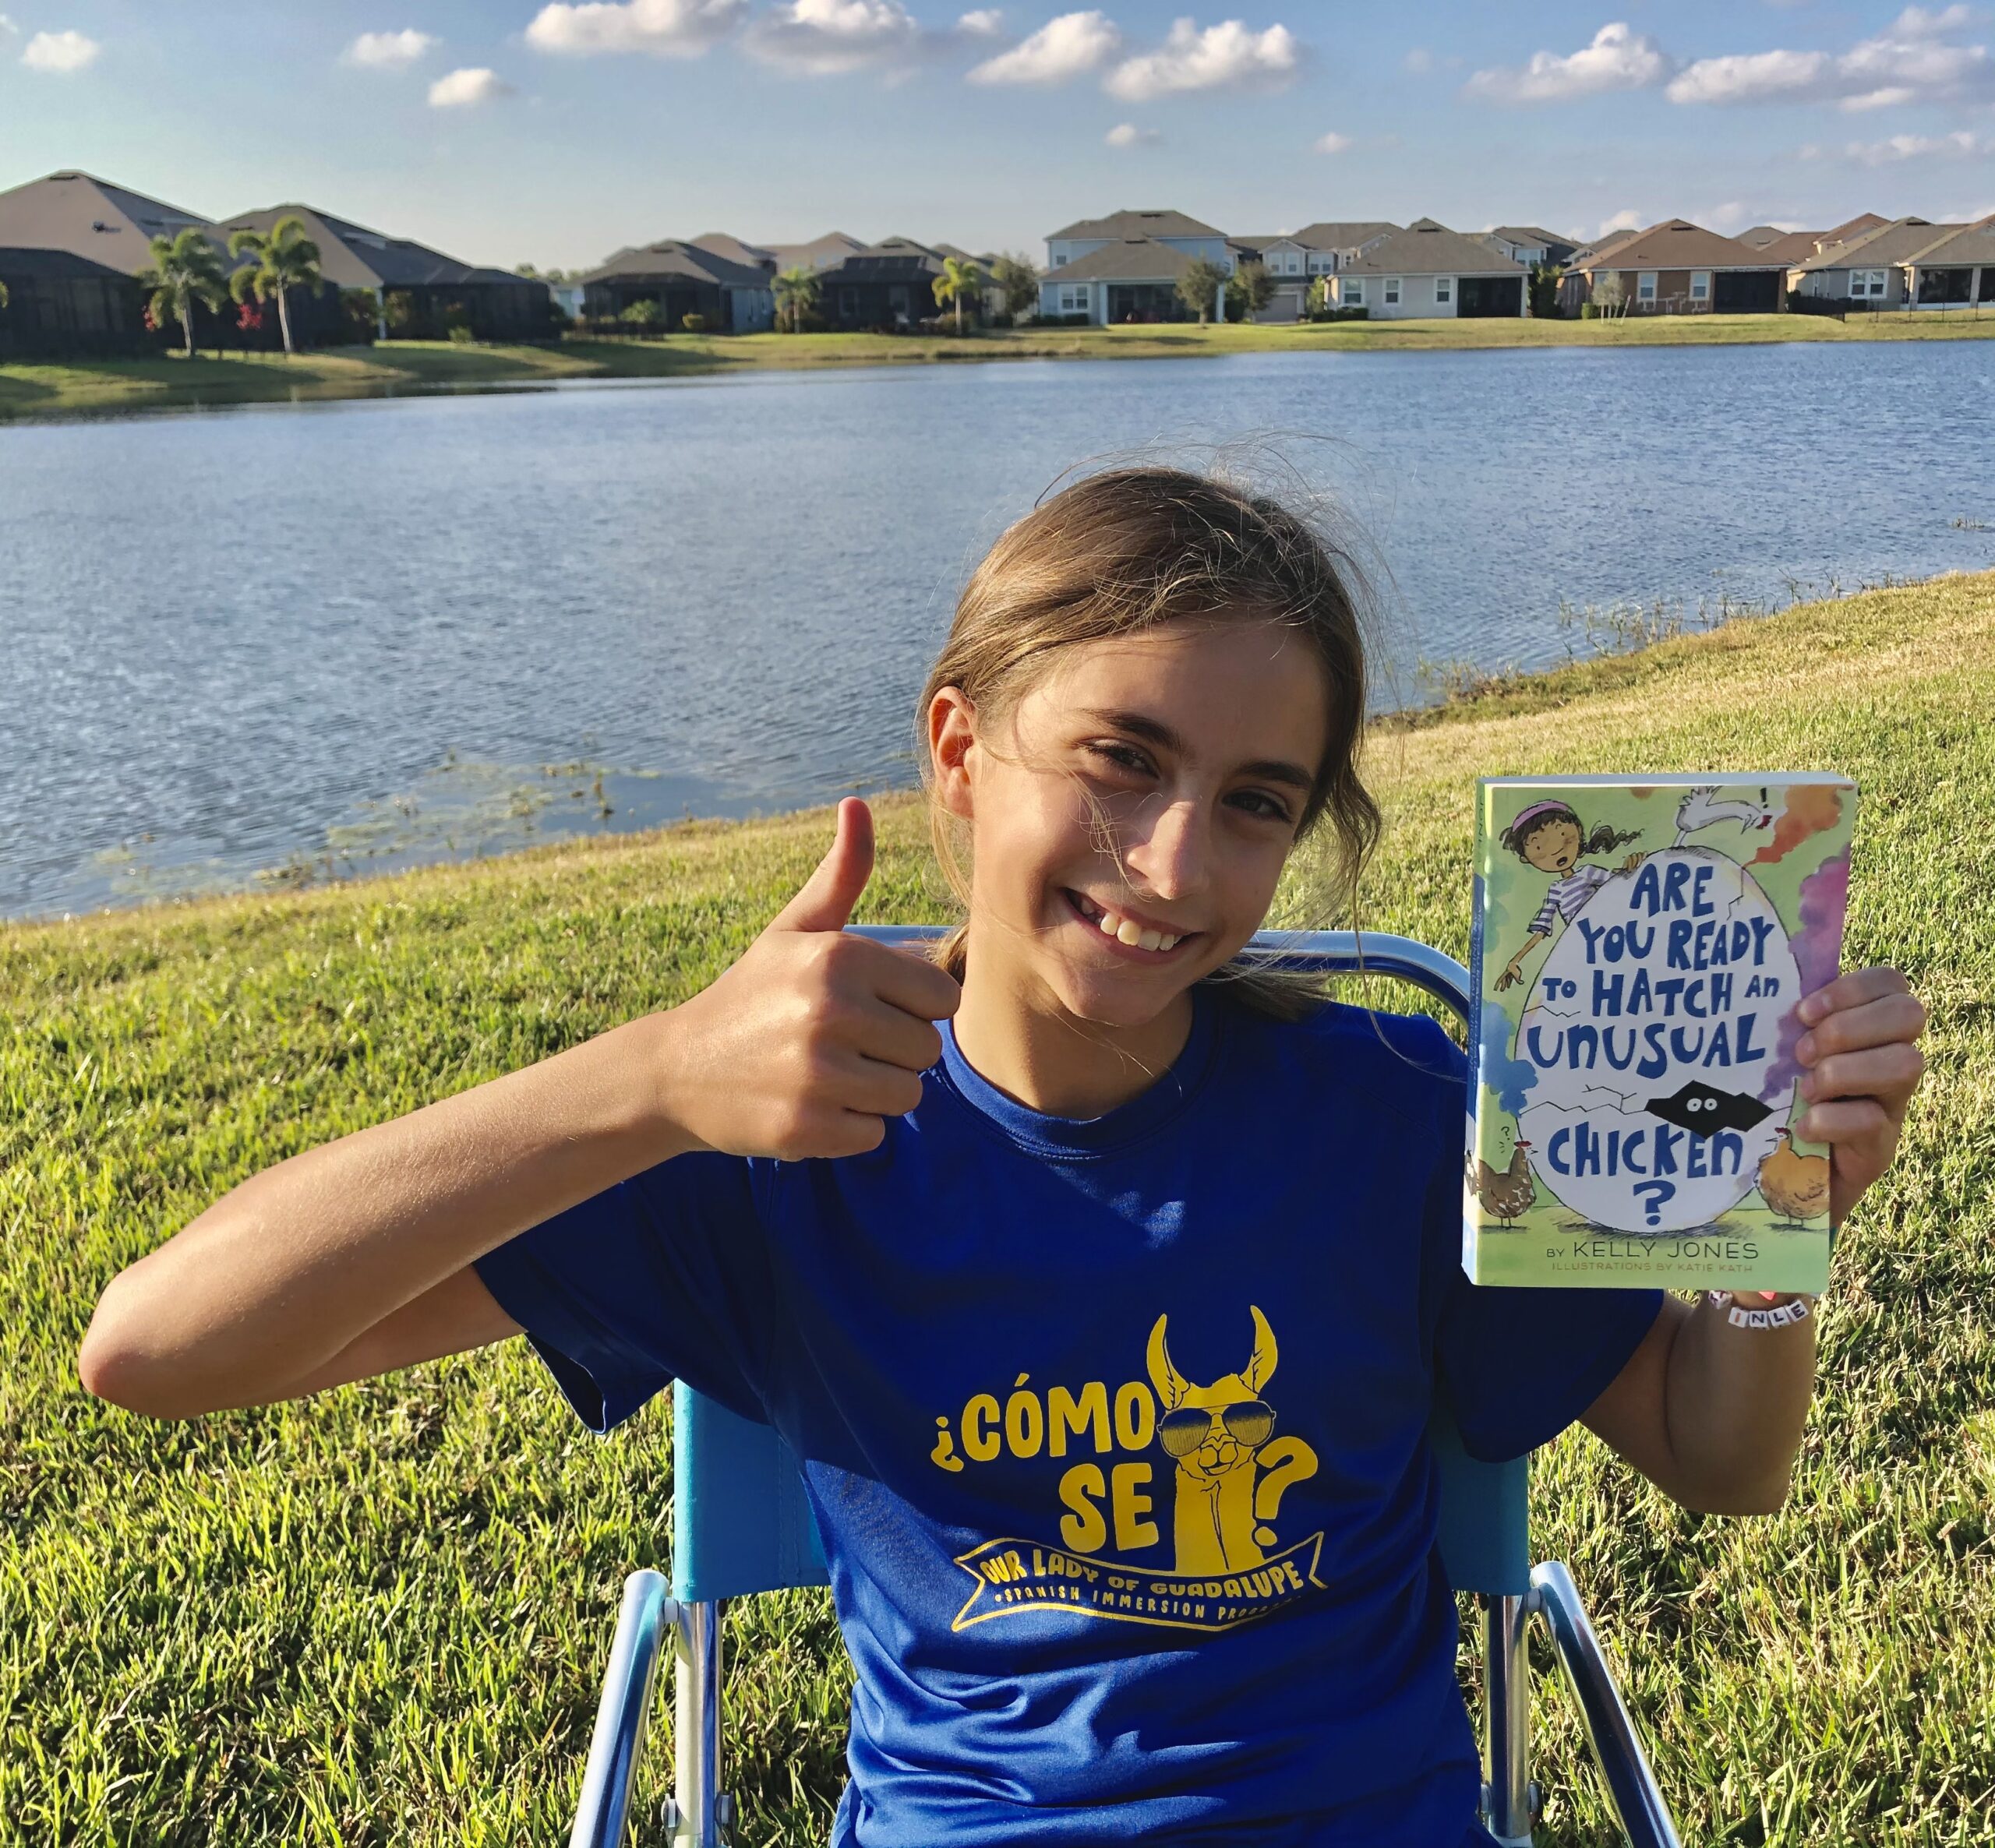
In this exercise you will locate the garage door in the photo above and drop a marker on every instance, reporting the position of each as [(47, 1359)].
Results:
[(1483, 296), (1745, 292)]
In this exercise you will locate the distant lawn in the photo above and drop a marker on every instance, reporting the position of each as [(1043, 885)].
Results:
[(381, 1617), (114, 385)]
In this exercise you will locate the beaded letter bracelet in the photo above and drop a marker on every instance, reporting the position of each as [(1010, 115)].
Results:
[(1796, 1311)]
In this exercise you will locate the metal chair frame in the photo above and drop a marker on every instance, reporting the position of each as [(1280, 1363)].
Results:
[(699, 1814)]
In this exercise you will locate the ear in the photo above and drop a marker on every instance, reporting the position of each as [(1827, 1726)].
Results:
[(952, 739)]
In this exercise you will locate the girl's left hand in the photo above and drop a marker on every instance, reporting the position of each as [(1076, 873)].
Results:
[(1860, 1064)]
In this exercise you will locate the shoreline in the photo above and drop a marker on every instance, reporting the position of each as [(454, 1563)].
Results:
[(56, 390), (1494, 697)]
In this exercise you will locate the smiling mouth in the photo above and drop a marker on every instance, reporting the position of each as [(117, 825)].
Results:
[(1124, 932)]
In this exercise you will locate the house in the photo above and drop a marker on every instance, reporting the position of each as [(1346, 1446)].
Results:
[(419, 293), (1127, 279), (1796, 247), (1294, 259), (1677, 267), (60, 305), (888, 287), (681, 278), (1172, 229), (1867, 270), (820, 253), (1954, 269), (735, 250), (1428, 271), (110, 225), (1531, 244)]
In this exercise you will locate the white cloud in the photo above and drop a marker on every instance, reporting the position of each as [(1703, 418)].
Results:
[(388, 51), (1913, 60), (1618, 58), (1067, 47), (664, 28), (985, 22), (8, 26), (1419, 60), (1331, 143), (1630, 219), (822, 37), (1227, 56), (1725, 217), (59, 51), (1961, 144), (1126, 134), (467, 88)]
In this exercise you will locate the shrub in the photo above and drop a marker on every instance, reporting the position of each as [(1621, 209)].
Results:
[(693, 323), (461, 336), (640, 317), (1341, 314), (361, 314), (1589, 311)]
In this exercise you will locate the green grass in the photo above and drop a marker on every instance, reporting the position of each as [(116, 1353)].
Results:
[(412, 365), (381, 1616)]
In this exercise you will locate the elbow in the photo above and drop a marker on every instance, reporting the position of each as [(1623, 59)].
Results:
[(114, 1364)]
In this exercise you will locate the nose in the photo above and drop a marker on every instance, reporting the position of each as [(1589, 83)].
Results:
[(1172, 854)]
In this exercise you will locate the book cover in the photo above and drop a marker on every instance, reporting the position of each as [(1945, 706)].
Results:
[(1639, 948)]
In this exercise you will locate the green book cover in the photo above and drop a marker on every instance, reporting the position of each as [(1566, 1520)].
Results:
[(1639, 948)]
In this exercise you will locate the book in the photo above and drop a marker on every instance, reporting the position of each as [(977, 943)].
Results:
[(1639, 948)]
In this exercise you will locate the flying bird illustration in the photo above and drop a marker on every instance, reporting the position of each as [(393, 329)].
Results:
[(1700, 810)]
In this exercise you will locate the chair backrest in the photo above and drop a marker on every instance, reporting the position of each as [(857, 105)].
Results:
[(742, 1522)]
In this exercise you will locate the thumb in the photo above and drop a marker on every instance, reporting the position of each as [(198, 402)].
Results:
[(826, 896)]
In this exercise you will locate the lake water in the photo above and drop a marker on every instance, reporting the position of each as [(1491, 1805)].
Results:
[(334, 637)]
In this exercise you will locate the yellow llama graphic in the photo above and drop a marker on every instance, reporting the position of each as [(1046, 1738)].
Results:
[(1219, 1436)]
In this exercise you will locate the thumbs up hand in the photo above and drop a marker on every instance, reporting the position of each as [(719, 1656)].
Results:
[(813, 1037)]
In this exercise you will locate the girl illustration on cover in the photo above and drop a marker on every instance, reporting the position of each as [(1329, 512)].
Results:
[(1549, 835)]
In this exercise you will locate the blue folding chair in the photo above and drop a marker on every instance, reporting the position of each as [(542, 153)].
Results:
[(741, 1524)]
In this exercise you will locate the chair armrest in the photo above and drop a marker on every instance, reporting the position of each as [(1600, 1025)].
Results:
[(1632, 1790), (647, 1616)]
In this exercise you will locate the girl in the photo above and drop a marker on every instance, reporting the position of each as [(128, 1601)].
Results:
[(1548, 836), (1105, 1315)]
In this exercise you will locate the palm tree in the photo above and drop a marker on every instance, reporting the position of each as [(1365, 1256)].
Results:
[(183, 268), (796, 294), (960, 278), (285, 259)]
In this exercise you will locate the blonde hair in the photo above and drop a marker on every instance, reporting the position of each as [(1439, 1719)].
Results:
[(1118, 553)]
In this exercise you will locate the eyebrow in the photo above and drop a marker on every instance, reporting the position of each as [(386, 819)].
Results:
[(1154, 730)]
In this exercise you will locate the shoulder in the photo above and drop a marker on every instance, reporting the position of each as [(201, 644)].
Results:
[(1402, 1064)]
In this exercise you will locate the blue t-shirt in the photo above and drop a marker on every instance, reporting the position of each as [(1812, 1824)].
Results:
[(1114, 1430)]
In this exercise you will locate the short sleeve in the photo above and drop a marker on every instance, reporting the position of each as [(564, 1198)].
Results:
[(662, 1277), (1518, 1365)]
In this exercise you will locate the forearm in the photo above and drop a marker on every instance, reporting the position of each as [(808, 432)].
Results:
[(281, 1274), (1735, 1401)]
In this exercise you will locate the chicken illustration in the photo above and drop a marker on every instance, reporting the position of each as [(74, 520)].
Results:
[(1796, 1186), (1699, 809), (1508, 1195)]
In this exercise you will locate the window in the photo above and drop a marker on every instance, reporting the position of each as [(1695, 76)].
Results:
[(1645, 286), (1866, 285), (1444, 290), (1073, 298), (1391, 291), (1701, 285), (1354, 291)]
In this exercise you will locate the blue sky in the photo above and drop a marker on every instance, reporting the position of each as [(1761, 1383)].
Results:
[(553, 134)]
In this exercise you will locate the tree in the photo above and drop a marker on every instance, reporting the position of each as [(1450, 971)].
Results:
[(1319, 295), (643, 315), (184, 268), (960, 276), (1609, 296), (1019, 281), (284, 258), (796, 295), (1249, 289), (1200, 286), (1544, 290)]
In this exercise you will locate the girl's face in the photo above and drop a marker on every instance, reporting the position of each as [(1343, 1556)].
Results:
[(1553, 846), (1131, 821)]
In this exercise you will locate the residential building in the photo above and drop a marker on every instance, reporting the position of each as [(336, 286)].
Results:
[(681, 279), (1294, 259), (750, 256), (418, 292), (60, 305), (1955, 270), (1869, 270), (1677, 267), (889, 286), (1172, 229), (1128, 278), (108, 224), (820, 253), (1428, 272), (1794, 247), (1531, 244)]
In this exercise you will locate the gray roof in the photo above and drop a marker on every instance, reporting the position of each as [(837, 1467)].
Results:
[(1427, 248), (1970, 245), (1531, 234), (79, 213), (1127, 259), (1134, 223), (898, 259), (1889, 244), (1331, 234), (62, 265), (674, 256), (832, 247), (750, 256), (355, 257)]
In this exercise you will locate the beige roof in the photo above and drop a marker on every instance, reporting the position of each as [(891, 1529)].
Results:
[(1887, 245), (1676, 244), (1127, 259), (751, 256), (1530, 234), (1332, 233), (355, 257), (1136, 223), (672, 256), (1427, 248), (833, 247), (1970, 245), (91, 217), (1790, 247), (1855, 227), (1587, 255)]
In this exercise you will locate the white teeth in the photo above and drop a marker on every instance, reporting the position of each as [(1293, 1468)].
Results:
[(1151, 939), (1166, 943), (1108, 923), (1128, 932)]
